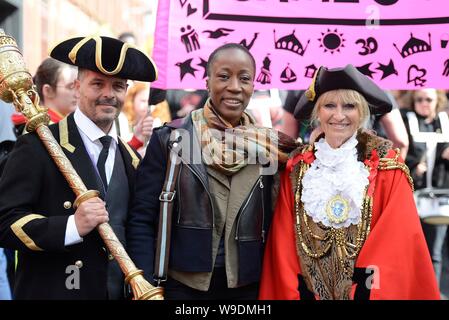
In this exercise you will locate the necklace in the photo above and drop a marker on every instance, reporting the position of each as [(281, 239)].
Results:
[(337, 210)]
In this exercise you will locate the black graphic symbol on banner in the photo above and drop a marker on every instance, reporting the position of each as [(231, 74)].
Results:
[(288, 75), (416, 75), (387, 70), (386, 2), (446, 68), (369, 46), (190, 39), (186, 68), (250, 45), (191, 10), (366, 70), (414, 45), (182, 3), (220, 32), (265, 74), (444, 40), (332, 41), (203, 64), (290, 43), (310, 71)]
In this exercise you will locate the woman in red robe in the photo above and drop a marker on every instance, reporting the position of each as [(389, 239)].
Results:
[(345, 224)]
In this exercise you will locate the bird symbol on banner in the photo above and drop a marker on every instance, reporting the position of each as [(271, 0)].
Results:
[(186, 68), (220, 32), (387, 70), (203, 64), (366, 70)]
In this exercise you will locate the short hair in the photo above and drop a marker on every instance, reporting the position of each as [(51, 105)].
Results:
[(344, 96), (227, 46), (48, 73)]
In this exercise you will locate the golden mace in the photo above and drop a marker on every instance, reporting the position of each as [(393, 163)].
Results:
[(16, 86)]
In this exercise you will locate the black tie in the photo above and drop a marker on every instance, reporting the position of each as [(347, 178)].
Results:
[(106, 142)]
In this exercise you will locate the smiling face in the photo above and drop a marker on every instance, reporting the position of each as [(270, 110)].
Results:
[(101, 97), (340, 113), (231, 83)]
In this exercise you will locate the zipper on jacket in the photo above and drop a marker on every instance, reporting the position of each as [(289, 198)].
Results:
[(258, 183), (207, 191)]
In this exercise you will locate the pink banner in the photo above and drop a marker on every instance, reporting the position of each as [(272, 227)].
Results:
[(400, 44)]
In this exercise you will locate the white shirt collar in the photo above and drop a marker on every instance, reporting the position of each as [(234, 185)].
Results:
[(331, 157), (90, 129), (335, 172)]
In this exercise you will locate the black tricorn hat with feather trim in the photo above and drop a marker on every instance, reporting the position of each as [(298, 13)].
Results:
[(342, 78), (108, 56)]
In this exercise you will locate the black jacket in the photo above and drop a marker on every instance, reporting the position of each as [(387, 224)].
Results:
[(34, 199), (417, 153), (192, 223)]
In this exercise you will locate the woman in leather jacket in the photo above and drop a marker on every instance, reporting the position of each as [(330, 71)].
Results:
[(222, 197)]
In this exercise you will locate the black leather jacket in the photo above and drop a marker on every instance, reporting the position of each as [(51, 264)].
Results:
[(193, 214)]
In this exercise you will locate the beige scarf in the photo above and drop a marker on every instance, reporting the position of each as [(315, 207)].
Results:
[(229, 149)]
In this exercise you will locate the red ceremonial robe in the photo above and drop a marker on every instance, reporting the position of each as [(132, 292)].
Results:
[(395, 246)]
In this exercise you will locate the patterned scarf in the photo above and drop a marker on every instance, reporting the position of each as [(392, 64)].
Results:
[(229, 149)]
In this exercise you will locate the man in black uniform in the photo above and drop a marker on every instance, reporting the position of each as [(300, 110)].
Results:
[(60, 253)]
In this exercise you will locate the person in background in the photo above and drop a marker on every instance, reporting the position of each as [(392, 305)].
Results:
[(427, 114), (7, 138), (55, 84), (391, 126), (135, 111), (345, 224), (290, 125)]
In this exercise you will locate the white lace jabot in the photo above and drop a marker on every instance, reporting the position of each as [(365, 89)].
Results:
[(334, 185)]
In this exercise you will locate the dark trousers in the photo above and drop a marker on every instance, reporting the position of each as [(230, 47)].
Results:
[(218, 290), (435, 236)]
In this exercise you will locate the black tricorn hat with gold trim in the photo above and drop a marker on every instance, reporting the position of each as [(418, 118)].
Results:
[(108, 56), (342, 78)]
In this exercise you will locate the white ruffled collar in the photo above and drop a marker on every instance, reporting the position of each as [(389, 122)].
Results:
[(334, 185)]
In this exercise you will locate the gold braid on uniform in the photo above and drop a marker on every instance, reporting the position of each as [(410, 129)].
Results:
[(327, 255), (393, 163)]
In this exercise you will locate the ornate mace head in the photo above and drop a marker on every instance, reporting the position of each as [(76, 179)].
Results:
[(16, 84)]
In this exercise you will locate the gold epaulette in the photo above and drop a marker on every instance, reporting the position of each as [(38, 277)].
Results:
[(394, 163)]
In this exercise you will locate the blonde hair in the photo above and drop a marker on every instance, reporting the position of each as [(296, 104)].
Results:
[(442, 102), (128, 107), (344, 96)]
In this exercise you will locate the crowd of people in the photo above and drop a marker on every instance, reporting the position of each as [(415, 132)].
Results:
[(312, 196)]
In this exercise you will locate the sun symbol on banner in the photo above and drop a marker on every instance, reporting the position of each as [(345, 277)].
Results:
[(332, 41)]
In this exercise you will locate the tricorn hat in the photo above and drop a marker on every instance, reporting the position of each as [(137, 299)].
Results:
[(342, 78), (108, 56)]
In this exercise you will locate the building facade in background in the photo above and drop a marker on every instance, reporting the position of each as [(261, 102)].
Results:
[(38, 25)]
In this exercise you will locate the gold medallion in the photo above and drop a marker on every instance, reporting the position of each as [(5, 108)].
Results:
[(337, 209)]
